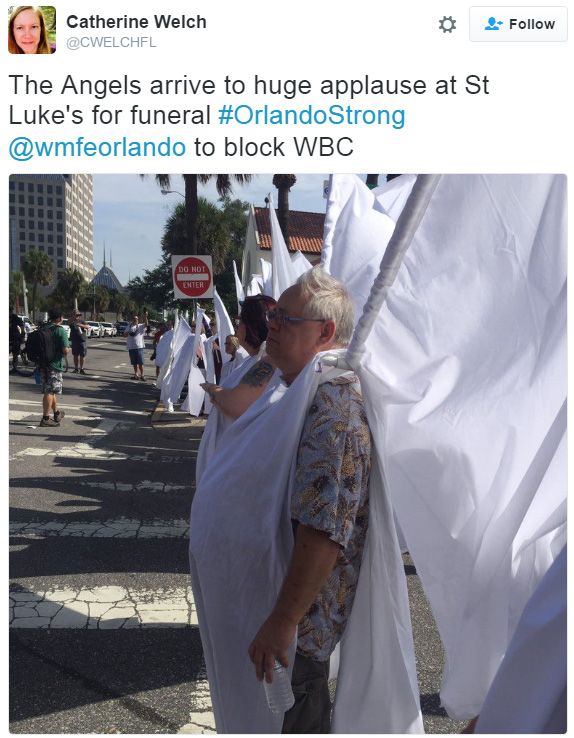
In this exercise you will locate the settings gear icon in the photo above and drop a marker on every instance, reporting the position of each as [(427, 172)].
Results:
[(447, 25)]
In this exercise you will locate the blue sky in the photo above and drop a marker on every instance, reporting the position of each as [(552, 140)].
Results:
[(129, 214)]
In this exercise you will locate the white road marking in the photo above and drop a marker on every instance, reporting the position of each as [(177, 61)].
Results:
[(103, 608), (119, 528), (89, 408), (145, 486)]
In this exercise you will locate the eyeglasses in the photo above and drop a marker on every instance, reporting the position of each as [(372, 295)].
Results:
[(282, 319)]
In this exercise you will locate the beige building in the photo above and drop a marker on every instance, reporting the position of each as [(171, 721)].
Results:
[(306, 236), (53, 213)]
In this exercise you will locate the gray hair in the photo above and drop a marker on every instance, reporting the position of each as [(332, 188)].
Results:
[(328, 298)]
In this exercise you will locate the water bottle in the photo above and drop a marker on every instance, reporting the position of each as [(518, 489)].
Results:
[(279, 693), (37, 377)]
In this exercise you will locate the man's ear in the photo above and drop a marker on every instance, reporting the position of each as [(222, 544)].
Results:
[(327, 334)]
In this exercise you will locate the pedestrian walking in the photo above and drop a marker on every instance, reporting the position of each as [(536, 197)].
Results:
[(53, 339), (79, 339), (135, 343), (16, 336)]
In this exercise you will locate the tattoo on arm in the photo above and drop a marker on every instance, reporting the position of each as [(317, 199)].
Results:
[(259, 375)]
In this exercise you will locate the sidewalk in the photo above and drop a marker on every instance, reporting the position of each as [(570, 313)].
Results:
[(178, 426)]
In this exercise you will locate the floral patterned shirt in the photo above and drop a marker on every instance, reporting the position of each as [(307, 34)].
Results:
[(331, 494)]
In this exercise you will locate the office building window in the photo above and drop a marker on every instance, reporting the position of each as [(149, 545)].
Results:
[(30, 187), (21, 186), (49, 189), (40, 188)]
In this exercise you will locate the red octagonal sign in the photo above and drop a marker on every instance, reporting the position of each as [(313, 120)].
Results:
[(192, 276)]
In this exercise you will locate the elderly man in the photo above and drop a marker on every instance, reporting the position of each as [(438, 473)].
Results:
[(329, 501), (279, 520)]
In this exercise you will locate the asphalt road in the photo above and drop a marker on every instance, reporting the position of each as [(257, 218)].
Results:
[(103, 630)]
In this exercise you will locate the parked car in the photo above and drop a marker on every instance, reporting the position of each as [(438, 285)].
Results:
[(109, 329), (95, 329), (121, 325), (66, 326)]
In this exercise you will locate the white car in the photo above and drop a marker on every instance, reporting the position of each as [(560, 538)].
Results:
[(109, 329), (95, 329), (66, 326)]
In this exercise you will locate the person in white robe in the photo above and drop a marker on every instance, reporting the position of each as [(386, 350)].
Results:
[(242, 541), (239, 389), (238, 355)]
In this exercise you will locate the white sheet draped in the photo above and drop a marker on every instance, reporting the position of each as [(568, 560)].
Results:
[(240, 545), (175, 379), (217, 423), (195, 394), (528, 694)]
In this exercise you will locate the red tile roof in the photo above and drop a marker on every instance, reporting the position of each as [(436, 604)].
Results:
[(306, 230)]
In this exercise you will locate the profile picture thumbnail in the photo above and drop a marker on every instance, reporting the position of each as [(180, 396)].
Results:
[(32, 29)]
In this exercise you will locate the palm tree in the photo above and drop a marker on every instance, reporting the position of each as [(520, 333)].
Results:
[(16, 289), (71, 287), (224, 185), (38, 269), (213, 232), (284, 182)]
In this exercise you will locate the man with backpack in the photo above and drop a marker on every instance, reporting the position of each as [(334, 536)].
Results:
[(46, 347)]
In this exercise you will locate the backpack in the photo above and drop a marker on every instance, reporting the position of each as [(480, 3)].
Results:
[(41, 346)]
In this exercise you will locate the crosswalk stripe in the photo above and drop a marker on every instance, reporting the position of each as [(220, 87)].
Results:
[(103, 608), (119, 528)]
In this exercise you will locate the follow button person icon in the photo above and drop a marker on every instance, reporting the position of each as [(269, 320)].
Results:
[(493, 24)]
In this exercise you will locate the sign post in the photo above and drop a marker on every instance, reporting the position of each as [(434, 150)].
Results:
[(192, 277)]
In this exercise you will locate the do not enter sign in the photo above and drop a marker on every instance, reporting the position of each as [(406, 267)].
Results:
[(192, 276)]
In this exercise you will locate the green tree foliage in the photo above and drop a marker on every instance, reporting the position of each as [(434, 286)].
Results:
[(222, 234), (16, 292), (38, 269), (224, 185), (71, 286)]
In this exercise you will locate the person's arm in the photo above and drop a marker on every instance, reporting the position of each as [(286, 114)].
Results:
[(314, 557), (146, 319), (65, 341), (234, 401)]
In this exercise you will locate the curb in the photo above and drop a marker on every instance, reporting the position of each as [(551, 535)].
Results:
[(176, 425)]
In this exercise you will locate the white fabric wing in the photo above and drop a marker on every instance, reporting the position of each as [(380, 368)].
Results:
[(529, 692), (284, 274), (163, 348), (238, 287), (266, 277), (466, 367), (174, 381), (300, 264)]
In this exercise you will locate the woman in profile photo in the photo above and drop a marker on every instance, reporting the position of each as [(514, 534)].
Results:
[(27, 32)]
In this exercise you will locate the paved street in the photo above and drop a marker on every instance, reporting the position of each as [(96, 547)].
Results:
[(104, 635)]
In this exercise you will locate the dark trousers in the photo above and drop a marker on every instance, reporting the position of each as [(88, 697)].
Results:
[(311, 712)]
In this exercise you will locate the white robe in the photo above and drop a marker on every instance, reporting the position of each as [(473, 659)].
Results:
[(240, 545)]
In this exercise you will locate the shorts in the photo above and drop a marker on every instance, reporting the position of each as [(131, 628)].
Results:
[(136, 356), (51, 380), (80, 348)]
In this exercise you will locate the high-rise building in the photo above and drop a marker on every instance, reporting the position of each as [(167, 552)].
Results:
[(53, 213)]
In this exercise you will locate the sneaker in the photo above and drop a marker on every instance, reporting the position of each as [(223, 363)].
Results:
[(82, 372), (134, 377), (75, 371), (143, 379), (61, 414), (50, 423)]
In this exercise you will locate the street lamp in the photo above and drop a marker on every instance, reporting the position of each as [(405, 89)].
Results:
[(172, 192)]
